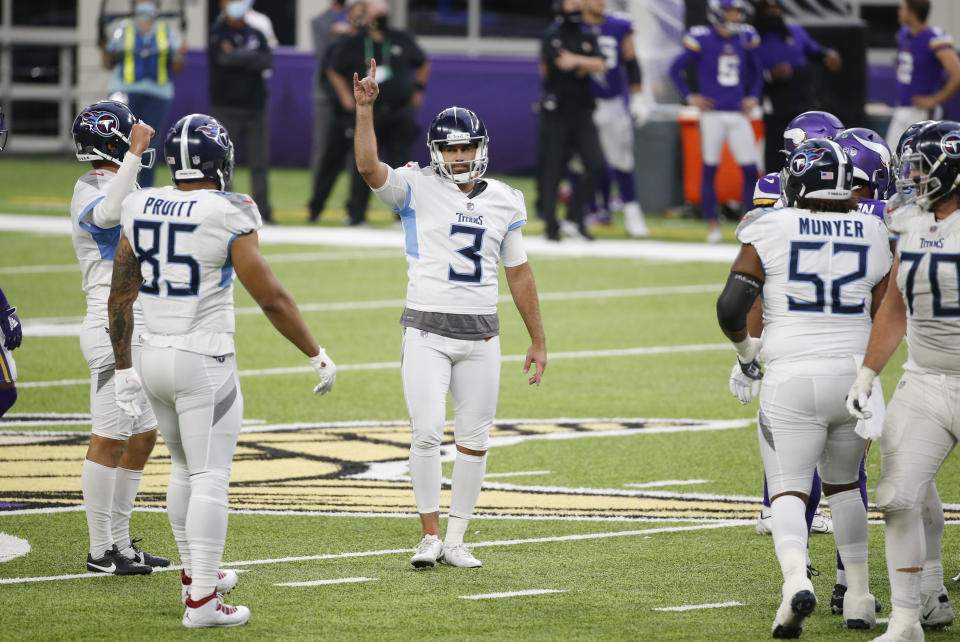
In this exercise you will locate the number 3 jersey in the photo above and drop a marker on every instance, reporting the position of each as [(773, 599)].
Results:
[(453, 242), (819, 272), (182, 240), (929, 281)]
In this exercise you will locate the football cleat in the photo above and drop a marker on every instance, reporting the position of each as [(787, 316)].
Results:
[(936, 611), (634, 222), (899, 631), (147, 558), (427, 552), (460, 556), (715, 235), (763, 521), (836, 600), (821, 523), (798, 603), (113, 563), (574, 230), (211, 611), (226, 582), (858, 611)]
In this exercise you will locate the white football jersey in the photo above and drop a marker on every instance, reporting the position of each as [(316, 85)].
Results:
[(929, 280), (182, 240), (452, 242), (820, 269), (96, 233)]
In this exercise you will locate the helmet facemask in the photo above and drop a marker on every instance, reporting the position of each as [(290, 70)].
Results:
[(95, 154), (476, 167), (916, 179)]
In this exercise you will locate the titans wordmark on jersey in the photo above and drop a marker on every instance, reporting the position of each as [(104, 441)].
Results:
[(182, 241), (820, 270), (929, 280)]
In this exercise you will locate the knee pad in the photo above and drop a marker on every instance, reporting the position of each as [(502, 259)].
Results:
[(426, 443), (891, 497), (210, 485), (7, 398)]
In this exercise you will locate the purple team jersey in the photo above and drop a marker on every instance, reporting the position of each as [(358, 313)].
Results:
[(872, 207), (610, 35), (796, 49), (727, 68), (919, 71)]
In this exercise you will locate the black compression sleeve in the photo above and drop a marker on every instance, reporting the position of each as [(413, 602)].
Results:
[(633, 72), (736, 300)]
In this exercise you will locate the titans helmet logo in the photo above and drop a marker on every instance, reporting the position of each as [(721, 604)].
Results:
[(102, 123), (951, 144), (802, 161), (216, 133)]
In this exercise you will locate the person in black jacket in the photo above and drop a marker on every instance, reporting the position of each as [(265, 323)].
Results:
[(568, 55), (239, 55)]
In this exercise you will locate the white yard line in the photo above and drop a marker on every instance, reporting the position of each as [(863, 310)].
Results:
[(342, 580), (516, 474), (406, 551), (666, 482), (692, 607), (491, 596)]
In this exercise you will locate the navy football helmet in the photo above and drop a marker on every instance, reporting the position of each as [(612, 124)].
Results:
[(198, 146), (930, 167), (871, 159), (457, 126), (102, 132), (818, 168), (3, 130), (716, 13), (810, 124)]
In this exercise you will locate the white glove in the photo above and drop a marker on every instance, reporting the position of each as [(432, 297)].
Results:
[(860, 392), (743, 386), (326, 370), (639, 109), (126, 389)]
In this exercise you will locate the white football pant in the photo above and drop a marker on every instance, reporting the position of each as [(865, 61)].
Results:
[(615, 127), (730, 126)]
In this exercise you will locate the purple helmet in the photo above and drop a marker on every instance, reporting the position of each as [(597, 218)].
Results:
[(810, 124), (871, 159), (716, 12)]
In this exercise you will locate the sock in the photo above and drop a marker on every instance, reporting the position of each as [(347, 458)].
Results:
[(425, 475), (813, 502), (766, 492), (465, 483), (931, 579), (456, 528), (708, 194), (124, 495), (749, 183), (841, 572), (206, 528), (178, 499), (97, 482), (904, 545), (850, 534), (627, 185), (863, 481), (789, 535), (7, 398)]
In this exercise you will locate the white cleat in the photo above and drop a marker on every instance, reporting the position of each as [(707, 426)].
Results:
[(634, 222), (859, 611), (226, 582), (428, 552), (899, 631), (715, 235), (763, 521), (460, 556), (821, 523), (798, 603), (211, 611), (936, 611)]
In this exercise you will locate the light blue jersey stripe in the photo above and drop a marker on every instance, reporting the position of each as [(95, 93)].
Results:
[(408, 216)]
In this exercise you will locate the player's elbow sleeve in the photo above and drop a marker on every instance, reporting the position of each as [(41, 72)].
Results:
[(736, 300)]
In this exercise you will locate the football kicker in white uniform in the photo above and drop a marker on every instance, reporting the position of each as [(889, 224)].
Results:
[(922, 423), (108, 135), (457, 227), (179, 249), (822, 268)]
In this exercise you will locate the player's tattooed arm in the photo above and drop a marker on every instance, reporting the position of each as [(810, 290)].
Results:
[(123, 292)]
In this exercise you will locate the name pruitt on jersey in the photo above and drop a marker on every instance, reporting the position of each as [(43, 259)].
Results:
[(164, 207), (827, 227)]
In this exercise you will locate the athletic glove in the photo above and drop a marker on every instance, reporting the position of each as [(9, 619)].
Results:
[(10, 325), (639, 109), (326, 370), (126, 389), (743, 384), (860, 392)]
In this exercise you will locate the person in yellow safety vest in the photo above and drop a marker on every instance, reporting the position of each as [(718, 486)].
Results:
[(144, 53)]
